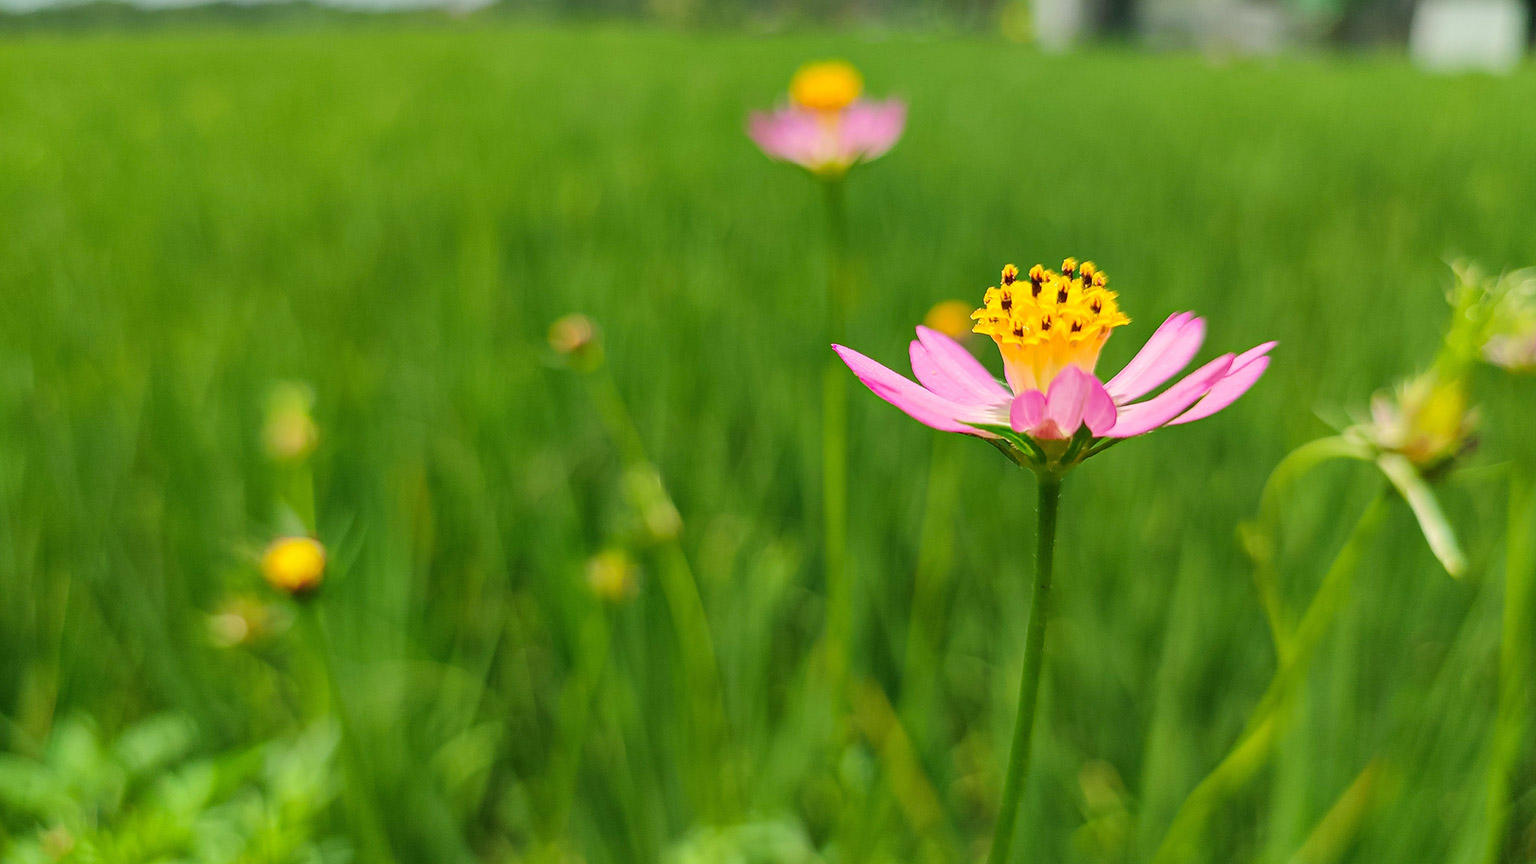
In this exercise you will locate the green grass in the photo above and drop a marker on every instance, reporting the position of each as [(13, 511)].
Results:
[(396, 217)]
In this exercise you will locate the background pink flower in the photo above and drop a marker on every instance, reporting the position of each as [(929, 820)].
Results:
[(825, 127)]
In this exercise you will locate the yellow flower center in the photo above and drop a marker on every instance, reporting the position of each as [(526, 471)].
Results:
[(294, 564), (827, 86), (1048, 321)]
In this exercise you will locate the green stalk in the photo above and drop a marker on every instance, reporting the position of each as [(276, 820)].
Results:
[(360, 805), (1510, 721), (1253, 746), (1029, 681), (934, 558), (708, 727), (577, 699), (834, 451)]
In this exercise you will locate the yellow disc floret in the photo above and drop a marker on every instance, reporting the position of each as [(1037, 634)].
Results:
[(1049, 320), (831, 85)]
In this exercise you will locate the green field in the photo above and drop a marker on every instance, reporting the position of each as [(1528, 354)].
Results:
[(395, 218)]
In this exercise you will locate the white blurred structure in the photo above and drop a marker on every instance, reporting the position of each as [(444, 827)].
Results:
[(1220, 28), (1060, 24), (1457, 35)]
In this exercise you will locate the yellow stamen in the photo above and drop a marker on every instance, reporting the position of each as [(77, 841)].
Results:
[(831, 85), (1051, 321)]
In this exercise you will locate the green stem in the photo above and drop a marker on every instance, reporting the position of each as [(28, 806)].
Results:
[(707, 729), (576, 705), (358, 794), (1029, 681), (935, 551), (1510, 720), (834, 450)]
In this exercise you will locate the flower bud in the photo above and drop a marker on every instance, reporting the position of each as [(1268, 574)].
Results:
[(613, 576), (289, 433), (1427, 420), (243, 620), (294, 565), (576, 340), (950, 317), (648, 495)]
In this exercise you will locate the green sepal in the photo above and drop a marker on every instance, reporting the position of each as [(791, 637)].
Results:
[(1021, 442)]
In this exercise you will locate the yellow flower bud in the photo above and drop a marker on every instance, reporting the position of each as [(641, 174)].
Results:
[(612, 576), (294, 565), (950, 317)]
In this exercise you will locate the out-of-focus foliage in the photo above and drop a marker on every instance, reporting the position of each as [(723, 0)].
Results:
[(146, 797)]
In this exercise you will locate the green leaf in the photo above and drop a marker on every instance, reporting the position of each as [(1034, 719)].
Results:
[(1426, 508)]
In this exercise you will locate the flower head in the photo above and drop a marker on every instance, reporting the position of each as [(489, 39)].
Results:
[(1428, 420), (826, 127), (1053, 411), (1510, 338), (294, 565)]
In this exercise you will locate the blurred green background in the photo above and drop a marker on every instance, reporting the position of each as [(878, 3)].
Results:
[(395, 216)]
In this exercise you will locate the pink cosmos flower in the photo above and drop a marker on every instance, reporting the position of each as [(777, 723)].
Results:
[(1054, 410), (826, 128)]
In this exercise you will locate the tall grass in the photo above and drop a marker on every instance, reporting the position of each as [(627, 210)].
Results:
[(396, 217)]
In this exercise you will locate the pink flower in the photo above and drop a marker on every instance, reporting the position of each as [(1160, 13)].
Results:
[(825, 127), (1053, 409)]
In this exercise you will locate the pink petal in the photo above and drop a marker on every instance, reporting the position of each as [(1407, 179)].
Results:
[(932, 377), (925, 407), (964, 370), (1099, 410), (1064, 402), (1245, 371), (1146, 416), (793, 135), (1027, 411), (1170, 349), (1251, 355), (870, 129)]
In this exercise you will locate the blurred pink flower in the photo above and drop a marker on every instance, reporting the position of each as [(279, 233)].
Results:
[(1050, 330), (825, 127)]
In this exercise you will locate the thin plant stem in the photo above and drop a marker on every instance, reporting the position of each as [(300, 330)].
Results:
[(717, 788), (1510, 720), (360, 805), (1265, 724), (934, 559), (834, 452), (576, 707), (1341, 824), (1029, 681)]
